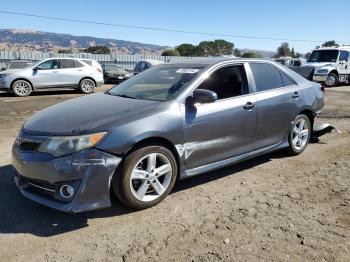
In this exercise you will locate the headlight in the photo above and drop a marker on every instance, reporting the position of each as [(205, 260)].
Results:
[(129, 74), (65, 145), (323, 71), (3, 75)]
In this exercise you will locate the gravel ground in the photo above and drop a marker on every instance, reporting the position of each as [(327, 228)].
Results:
[(272, 208)]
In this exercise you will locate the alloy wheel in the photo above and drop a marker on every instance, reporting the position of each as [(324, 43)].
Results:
[(87, 86), (300, 134), (151, 177), (22, 88)]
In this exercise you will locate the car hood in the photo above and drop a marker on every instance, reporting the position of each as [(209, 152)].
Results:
[(11, 71), (97, 112)]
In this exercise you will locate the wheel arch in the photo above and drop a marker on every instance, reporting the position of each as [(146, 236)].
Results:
[(25, 79), (309, 113), (334, 71), (156, 140)]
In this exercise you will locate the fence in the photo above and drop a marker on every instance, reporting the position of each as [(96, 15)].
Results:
[(126, 61)]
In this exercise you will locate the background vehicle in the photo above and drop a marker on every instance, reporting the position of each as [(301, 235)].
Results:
[(145, 64), (148, 131), (93, 63), (328, 65), (115, 73), (17, 64), (288, 61), (52, 73)]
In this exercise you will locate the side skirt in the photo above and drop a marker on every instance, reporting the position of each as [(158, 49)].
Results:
[(233, 160)]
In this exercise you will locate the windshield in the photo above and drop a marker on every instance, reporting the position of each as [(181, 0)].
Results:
[(324, 56), (33, 64), (160, 83), (113, 67)]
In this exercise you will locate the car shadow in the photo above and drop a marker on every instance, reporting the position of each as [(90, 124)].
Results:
[(20, 215), (46, 93), (226, 171)]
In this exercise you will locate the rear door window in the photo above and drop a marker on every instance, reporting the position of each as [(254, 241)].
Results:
[(287, 81), (70, 63), (266, 76)]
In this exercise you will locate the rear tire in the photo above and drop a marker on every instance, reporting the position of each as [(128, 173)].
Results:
[(146, 177), (87, 86), (299, 135), (21, 88), (332, 80)]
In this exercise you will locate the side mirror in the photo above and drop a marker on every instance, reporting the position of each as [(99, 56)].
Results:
[(202, 96), (37, 68)]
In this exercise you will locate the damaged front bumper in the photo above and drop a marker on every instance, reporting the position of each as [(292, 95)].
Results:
[(41, 177)]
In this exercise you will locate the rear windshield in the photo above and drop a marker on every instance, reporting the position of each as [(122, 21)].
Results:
[(160, 83)]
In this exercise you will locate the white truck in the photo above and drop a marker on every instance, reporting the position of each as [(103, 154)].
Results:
[(328, 65)]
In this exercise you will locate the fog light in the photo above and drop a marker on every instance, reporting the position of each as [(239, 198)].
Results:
[(66, 191)]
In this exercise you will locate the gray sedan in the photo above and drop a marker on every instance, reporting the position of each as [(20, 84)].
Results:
[(170, 122)]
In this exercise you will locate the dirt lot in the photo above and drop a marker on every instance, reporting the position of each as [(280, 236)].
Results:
[(273, 208)]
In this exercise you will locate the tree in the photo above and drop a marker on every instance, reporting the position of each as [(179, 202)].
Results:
[(292, 52), (237, 53), (170, 52), (65, 51), (252, 54), (283, 50), (217, 47), (98, 50), (330, 43), (186, 50), (298, 55)]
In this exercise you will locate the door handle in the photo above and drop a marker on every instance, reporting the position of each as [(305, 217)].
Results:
[(295, 95), (55, 72), (248, 106)]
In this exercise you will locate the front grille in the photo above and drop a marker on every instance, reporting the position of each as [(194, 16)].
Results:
[(29, 146)]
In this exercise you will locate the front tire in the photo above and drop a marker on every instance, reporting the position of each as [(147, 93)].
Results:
[(146, 177), (21, 88), (87, 86), (332, 80), (299, 135)]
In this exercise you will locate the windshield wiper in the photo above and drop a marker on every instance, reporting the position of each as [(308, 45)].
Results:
[(123, 95)]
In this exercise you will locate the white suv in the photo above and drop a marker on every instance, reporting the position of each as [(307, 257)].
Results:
[(331, 65), (52, 73)]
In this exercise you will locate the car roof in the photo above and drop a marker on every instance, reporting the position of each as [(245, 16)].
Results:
[(152, 61), (207, 62)]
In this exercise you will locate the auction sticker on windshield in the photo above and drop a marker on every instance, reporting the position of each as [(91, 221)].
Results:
[(187, 70)]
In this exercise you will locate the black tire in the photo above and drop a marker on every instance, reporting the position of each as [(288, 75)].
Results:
[(333, 82), (121, 182), (294, 149), (21, 88), (87, 86)]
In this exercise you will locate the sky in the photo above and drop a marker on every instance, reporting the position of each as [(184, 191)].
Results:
[(318, 20)]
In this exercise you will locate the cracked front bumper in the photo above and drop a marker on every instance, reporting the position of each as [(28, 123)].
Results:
[(39, 177)]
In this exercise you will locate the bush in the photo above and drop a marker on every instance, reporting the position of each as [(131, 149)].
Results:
[(98, 50)]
